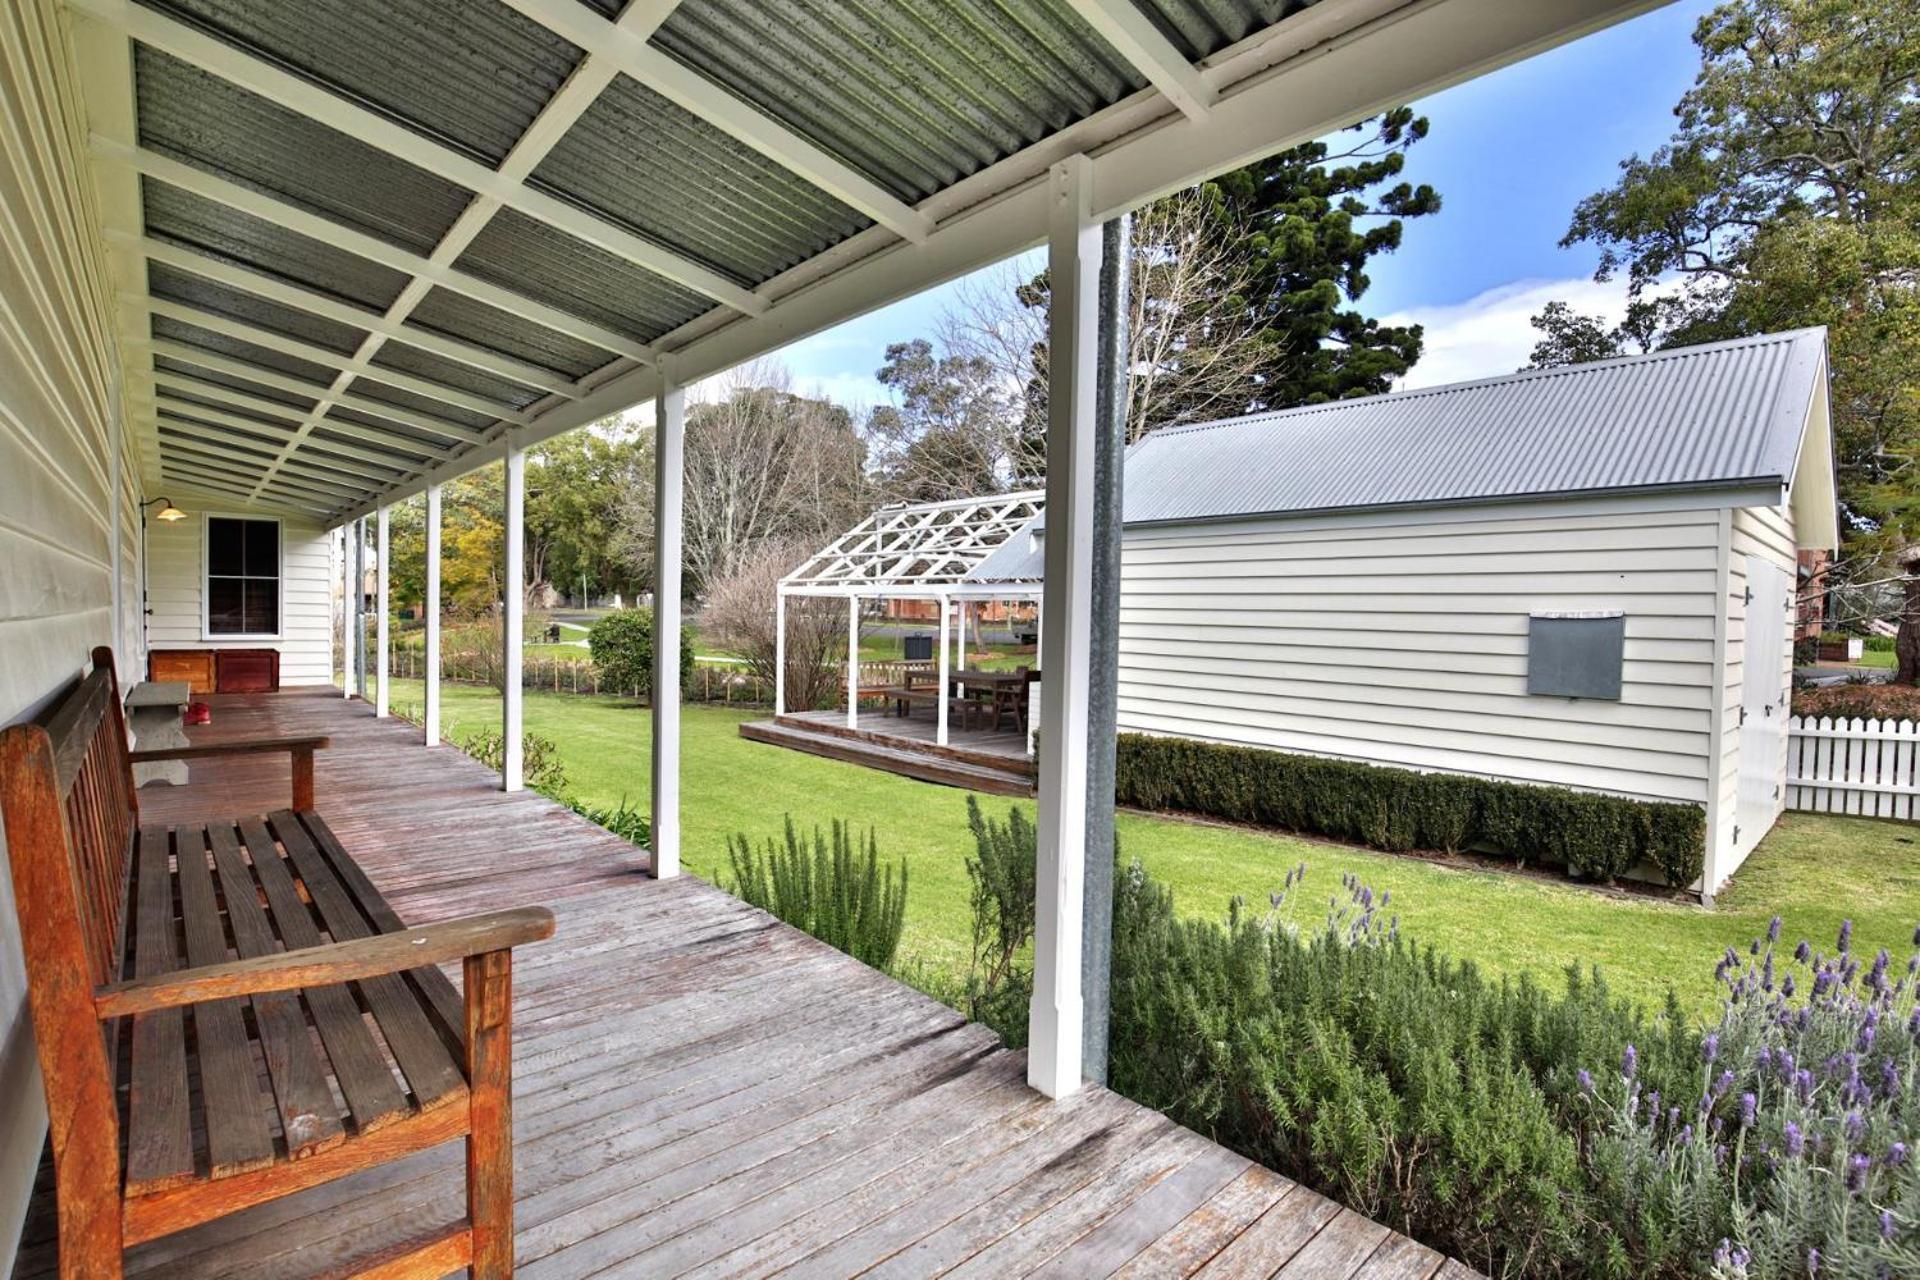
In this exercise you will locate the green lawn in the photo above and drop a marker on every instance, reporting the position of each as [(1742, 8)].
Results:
[(1812, 870)]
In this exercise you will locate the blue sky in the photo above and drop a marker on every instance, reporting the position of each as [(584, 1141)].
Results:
[(1510, 153)]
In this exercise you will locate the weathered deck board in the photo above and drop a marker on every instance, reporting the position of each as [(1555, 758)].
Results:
[(700, 1090)]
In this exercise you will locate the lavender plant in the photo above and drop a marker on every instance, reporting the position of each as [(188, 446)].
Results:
[(1790, 1150)]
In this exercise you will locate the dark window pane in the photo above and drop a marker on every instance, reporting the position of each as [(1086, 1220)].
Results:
[(225, 613), (262, 606), (263, 549), (224, 553)]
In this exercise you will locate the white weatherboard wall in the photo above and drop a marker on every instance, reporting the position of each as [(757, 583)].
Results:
[(59, 416), (1400, 638), (177, 583)]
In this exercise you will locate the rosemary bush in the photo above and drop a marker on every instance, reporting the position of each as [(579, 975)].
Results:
[(623, 820), (540, 763), (1002, 871), (837, 891)]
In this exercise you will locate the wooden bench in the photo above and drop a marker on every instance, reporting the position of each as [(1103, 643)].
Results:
[(230, 1012)]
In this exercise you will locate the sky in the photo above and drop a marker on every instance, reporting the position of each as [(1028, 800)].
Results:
[(1510, 153)]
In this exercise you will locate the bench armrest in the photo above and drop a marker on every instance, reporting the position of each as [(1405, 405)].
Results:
[(331, 963), (301, 749)]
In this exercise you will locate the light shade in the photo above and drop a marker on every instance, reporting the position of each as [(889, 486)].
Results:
[(170, 513)]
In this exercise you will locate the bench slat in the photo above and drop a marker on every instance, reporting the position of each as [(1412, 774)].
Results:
[(305, 1104), (430, 1070), (358, 1065), (159, 1119), (431, 982), (238, 1136)]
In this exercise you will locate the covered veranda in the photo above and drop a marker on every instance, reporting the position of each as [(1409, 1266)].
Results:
[(311, 261)]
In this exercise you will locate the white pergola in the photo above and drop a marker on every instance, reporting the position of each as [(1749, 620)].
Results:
[(939, 551), (355, 251)]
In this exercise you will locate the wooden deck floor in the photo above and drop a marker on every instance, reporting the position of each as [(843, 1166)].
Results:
[(979, 759), (701, 1090)]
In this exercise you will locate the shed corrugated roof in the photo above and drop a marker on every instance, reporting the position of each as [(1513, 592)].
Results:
[(1712, 416)]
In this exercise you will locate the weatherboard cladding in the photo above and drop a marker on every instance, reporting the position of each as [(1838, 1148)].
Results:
[(226, 233), (958, 84), (470, 75), (519, 253), (215, 125), (1719, 415), (638, 159), (171, 284)]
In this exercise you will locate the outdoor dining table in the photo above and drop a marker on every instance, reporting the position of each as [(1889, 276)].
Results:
[(999, 688)]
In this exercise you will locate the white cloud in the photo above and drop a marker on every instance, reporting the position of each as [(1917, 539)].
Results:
[(1488, 334)]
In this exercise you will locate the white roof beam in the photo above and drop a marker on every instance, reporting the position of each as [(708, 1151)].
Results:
[(319, 304), (262, 455), (203, 423), (211, 493), (214, 322), (235, 471), (1134, 37), (298, 94), (293, 218), (624, 45), (386, 465), (241, 463), (285, 415)]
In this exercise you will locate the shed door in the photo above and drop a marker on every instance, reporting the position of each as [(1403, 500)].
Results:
[(1763, 699)]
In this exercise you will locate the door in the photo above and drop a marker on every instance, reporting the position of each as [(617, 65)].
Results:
[(1763, 702)]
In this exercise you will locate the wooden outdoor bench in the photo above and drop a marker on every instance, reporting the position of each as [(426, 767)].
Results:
[(230, 1012)]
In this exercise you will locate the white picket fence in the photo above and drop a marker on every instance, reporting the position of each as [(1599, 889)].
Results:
[(1868, 767)]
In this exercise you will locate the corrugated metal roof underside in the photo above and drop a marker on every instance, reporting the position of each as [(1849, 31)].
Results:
[(516, 252), (259, 390), (915, 93), (1200, 27), (215, 125), (642, 161), (237, 349), (175, 285), (459, 316), (472, 75), (1697, 417), (454, 373)]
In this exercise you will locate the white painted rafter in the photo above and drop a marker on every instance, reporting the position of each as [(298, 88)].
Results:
[(308, 98), (1134, 37), (291, 217), (623, 44), (288, 417), (196, 421), (386, 465)]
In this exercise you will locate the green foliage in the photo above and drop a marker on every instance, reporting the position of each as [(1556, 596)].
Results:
[(1002, 875), (1401, 1082), (622, 648), (837, 892), (1596, 836), (624, 820), (540, 762)]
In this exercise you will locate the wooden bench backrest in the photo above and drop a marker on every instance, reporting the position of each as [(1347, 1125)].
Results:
[(67, 798)]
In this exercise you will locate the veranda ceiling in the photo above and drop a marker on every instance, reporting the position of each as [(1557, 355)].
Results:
[(358, 242)]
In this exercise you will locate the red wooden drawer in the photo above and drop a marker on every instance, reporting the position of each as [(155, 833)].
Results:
[(246, 670)]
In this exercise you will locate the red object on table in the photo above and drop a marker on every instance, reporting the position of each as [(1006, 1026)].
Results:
[(197, 713)]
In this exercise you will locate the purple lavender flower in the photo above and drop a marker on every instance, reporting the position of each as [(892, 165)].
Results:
[(1630, 1063), (1786, 986), (1803, 952), (1886, 1224), (1897, 1153), (1585, 1078), (1773, 930), (1792, 1139), (1748, 1106), (1857, 1166), (1722, 1083), (1856, 1126), (1686, 1136), (1813, 1262), (1846, 935), (1710, 1047)]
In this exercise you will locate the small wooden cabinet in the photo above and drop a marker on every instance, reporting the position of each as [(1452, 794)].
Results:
[(217, 670), (193, 666)]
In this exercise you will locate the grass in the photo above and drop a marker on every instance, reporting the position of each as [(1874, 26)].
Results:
[(1813, 870)]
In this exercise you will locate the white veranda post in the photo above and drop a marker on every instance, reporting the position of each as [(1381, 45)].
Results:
[(512, 619), (940, 676), (779, 653), (346, 611), (430, 713), (853, 662), (1073, 258), (669, 475), (382, 628)]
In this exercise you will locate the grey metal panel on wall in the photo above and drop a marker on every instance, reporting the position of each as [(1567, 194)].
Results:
[(1572, 656), (1723, 414)]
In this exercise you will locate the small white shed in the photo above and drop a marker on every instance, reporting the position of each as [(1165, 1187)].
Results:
[(1581, 577)]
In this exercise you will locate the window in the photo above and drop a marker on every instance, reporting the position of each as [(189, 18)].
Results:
[(243, 577), (1576, 655)]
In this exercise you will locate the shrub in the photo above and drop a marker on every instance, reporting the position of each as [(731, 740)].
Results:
[(1397, 809), (839, 893), (1879, 644), (630, 824), (540, 761), (1002, 873), (1859, 701), (622, 648)]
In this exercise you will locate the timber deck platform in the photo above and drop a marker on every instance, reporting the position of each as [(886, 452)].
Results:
[(701, 1090), (987, 760)]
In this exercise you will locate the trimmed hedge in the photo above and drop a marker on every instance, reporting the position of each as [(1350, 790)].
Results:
[(1597, 836)]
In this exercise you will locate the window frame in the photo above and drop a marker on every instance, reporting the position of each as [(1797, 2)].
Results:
[(207, 633)]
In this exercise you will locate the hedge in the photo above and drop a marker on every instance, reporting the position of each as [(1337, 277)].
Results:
[(1596, 836)]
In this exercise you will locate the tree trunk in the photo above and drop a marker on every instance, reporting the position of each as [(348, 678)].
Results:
[(1906, 646)]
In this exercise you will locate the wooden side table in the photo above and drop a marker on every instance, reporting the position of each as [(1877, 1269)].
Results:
[(154, 709)]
